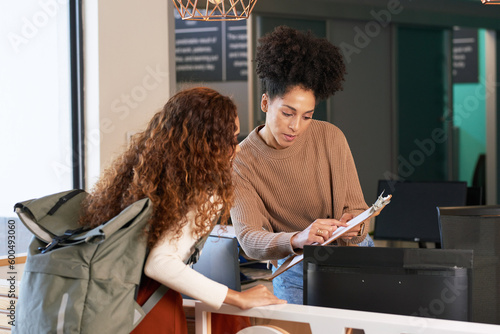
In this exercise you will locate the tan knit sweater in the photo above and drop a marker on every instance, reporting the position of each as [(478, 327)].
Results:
[(281, 192)]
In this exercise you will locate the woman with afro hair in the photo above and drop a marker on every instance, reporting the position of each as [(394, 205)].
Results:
[(295, 177), (182, 162)]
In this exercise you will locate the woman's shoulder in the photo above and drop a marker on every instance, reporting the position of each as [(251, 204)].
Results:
[(249, 145), (326, 129), (330, 137)]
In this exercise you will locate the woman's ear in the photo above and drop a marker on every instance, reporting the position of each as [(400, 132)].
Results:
[(264, 102)]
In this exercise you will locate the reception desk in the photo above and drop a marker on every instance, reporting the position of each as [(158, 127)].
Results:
[(324, 320)]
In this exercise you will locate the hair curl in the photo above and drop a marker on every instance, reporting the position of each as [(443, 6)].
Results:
[(180, 161), (287, 58)]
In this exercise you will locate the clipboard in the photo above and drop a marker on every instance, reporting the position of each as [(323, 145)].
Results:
[(376, 207)]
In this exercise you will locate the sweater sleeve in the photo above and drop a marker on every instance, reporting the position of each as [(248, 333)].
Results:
[(251, 221), (166, 264)]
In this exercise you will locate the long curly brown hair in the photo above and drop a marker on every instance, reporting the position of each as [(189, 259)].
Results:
[(179, 162)]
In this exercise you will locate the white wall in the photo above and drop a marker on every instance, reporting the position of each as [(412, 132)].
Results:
[(491, 119), (129, 73)]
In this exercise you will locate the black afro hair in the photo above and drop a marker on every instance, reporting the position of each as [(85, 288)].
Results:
[(287, 58)]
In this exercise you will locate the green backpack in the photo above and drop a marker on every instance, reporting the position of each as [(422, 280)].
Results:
[(80, 280)]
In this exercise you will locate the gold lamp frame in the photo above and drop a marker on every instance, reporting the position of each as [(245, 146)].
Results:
[(214, 10), (491, 2)]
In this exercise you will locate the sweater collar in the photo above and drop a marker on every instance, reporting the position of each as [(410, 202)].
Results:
[(256, 141)]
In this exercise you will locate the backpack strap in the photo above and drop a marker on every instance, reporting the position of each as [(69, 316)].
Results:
[(63, 200), (198, 246), (154, 298)]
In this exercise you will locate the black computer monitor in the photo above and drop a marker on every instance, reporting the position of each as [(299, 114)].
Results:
[(412, 215), (431, 283)]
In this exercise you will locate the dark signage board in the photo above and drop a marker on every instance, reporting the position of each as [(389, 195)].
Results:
[(465, 55), (210, 51), (236, 51), (198, 48)]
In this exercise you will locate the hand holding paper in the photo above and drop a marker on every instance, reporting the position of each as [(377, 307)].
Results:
[(372, 211)]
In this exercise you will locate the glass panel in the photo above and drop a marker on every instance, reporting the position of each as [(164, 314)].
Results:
[(35, 116), (422, 84)]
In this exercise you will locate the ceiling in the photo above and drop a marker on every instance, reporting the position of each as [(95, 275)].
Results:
[(429, 12)]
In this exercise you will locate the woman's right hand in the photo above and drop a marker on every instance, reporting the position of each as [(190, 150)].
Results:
[(256, 296), (318, 232)]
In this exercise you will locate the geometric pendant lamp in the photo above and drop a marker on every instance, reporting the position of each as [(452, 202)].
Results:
[(214, 10)]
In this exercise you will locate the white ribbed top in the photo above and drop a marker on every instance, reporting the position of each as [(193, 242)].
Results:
[(166, 264)]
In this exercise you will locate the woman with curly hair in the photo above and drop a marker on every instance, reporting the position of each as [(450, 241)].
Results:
[(182, 162), (295, 177)]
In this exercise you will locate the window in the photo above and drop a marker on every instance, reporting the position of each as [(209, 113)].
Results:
[(36, 123)]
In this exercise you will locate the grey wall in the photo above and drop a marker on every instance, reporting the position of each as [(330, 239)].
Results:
[(363, 110)]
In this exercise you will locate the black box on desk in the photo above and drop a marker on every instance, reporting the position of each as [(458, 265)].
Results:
[(434, 283)]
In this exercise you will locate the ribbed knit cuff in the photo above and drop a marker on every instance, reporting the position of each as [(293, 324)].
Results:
[(285, 242)]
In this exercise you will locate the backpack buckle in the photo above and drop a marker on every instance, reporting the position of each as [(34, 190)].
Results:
[(58, 239), (49, 246), (194, 257)]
